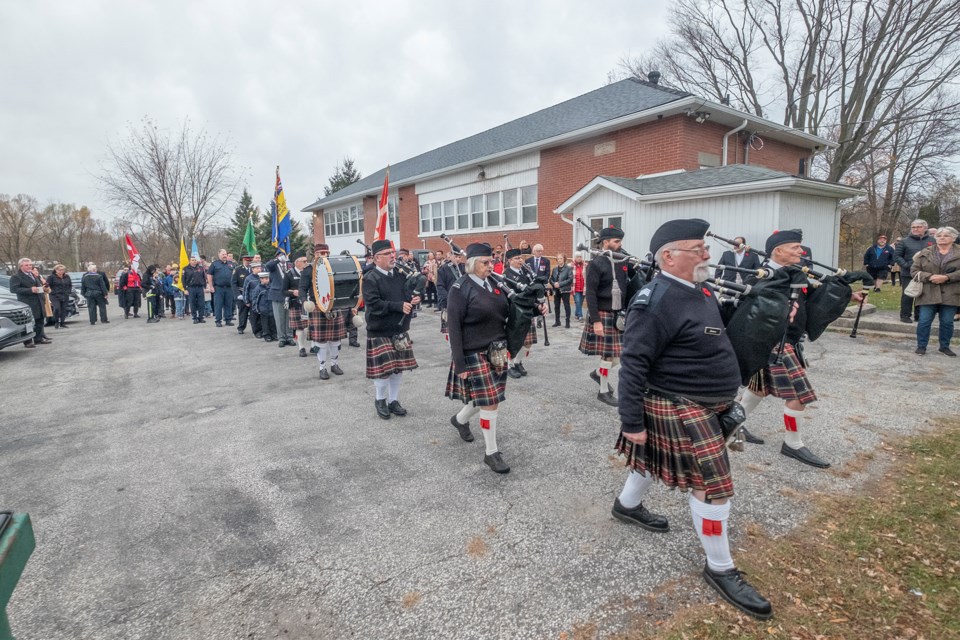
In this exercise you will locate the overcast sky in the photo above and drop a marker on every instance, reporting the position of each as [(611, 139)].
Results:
[(295, 84)]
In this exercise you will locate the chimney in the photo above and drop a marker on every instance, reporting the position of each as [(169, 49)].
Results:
[(654, 77)]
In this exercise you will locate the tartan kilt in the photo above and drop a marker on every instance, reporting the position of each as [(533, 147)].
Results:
[(485, 385), (787, 380), (295, 318), (324, 329), (606, 346), (685, 446), (383, 360), (531, 338)]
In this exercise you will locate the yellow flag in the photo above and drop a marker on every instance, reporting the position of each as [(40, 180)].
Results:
[(184, 262)]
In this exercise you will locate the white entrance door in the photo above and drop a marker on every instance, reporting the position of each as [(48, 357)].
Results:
[(580, 235)]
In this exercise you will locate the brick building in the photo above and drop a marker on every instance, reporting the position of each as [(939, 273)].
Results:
[(512, 179)]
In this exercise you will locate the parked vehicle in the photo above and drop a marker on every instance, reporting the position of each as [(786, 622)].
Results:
[(16, 320)]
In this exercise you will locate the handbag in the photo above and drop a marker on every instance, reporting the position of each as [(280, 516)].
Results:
[(915, 288)]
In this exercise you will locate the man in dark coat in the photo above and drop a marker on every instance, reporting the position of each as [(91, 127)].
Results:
[(195, 280), (239, 277), (741, 257), (878, 259), (909, 246), (278, 296), (29, 290), (94, 287), (220, 282), (539, 264)]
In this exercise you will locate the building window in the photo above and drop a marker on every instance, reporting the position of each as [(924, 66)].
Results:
[(463, 214), (436, 215), (348, 220), (476, 211), (393, 214), (493, 209), (529, 201), (449, 215), (424, 218), (510, 207)]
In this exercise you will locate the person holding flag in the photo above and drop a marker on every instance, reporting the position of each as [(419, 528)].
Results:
[(130, 283)]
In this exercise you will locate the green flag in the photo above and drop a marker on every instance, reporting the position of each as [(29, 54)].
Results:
[(249, 240)]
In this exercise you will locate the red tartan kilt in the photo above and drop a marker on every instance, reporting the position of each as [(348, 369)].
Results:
[(606, 346), (383, 360), (685, 447), (295, 319), (485, 385), (324, 329), (531, 337), (787, 380)]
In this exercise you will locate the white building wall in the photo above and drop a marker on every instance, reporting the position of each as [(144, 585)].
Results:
[(819, 219), (603, 202), (493, 173), (479, 187)]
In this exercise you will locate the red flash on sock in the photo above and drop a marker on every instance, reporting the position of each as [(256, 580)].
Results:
[(484, 423), (790, 423), (712, 527), (604, 372)]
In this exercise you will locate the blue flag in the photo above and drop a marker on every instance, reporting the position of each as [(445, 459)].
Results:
[(280, 238), (193, 251)]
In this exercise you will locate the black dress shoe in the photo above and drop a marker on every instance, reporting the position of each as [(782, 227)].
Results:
[(136, 315), (641, 516), (556, 324), (519, 366), (496, 463), (29, 345), (258, 335), (268, 339), (303, 353), (749, 437), (462, 429), (229, 323), (203, 321), (240, 331), (195, 321), (738, 592), (382, 410), (906, 320), (396, 409), (324, 375), (513, 373), (314, 350), (803, 455), (921, 351), (607, 398), (93, 323), (282, 344), (336, 370), (354, 343), (944, 350), (105, 321), (595, 376), (219, 324)]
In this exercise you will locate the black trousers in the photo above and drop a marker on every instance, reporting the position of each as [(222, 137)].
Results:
[(131, 299), (907, 309), (242, 315), (255, 325), (94, 303), (565, 298), (59, 310), (38, 333), (197, 303), (268, 326)]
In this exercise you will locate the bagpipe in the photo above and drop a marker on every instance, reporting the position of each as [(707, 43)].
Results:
[(415, 283), (534, 282), (757, 315), (525, 301), (643, 269)]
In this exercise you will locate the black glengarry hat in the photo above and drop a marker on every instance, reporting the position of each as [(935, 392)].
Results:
[(674, 230), (511, 253), (479, 250), (381, 245), (783, 237), (610, 233)]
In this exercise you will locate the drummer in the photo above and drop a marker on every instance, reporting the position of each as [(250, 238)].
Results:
[(326, 330)]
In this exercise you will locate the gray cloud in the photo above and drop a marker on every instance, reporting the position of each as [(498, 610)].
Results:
[(300, 84)]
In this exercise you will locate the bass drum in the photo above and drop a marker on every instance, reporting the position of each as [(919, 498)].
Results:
[(337, 282)]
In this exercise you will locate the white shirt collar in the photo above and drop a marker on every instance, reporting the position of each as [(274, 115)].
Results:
[(774, 265), (680, 280), (386, 273), (480, 281)]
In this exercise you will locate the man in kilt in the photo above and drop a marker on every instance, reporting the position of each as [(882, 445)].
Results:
[(517, 273), (447, 273), (388, 316), (291, 286), (477, 312), (678, 379), (325, 330), (606, 288), (786, 377)]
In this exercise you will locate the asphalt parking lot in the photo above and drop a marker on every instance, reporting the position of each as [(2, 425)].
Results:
[(187, 482)]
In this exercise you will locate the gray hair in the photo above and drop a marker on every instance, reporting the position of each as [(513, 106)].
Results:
[(670, 246), (950, 231), (471, 266), (23, 261), (91, 267), (920, 221)]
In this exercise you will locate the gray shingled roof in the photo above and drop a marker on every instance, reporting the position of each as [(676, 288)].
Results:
[(700, 179), (601, 105)]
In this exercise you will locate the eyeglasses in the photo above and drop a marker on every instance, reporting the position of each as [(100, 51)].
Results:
[(705, 249)]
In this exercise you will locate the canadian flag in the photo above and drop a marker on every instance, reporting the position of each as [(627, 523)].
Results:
[(382, 210), (133, 255)]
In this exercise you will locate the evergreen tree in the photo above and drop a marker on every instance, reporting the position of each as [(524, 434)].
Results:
[(264, 231), (238, 226), (344, 175)]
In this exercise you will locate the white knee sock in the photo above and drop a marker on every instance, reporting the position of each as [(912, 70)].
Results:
[(334, 351), (322, 355), (791, 434), (302, 338), (710, 523), (381, 385), (635, 488), (469, 410), (394, 380), (517, 359), (749, 400), (604, 373), (488, 425)]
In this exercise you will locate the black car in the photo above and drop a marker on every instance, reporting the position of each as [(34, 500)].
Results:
[(72, 305)]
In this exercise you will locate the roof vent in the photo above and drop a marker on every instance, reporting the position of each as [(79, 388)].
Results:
[(654, 77)]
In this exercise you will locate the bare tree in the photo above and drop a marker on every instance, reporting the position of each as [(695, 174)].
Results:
[(851, 70), (178, 182), (20, 225)]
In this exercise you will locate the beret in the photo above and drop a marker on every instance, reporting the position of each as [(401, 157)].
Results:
[(674, 230)]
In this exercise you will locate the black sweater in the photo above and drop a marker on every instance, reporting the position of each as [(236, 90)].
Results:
[(475, 318), (599, 285), (383, 299), (678, 344)]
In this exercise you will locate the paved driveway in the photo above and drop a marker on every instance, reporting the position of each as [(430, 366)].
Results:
[(187, 482)]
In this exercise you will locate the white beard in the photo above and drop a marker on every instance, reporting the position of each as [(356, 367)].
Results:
[(701, 272)]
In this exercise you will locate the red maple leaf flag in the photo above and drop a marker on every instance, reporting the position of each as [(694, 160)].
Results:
[(382, 211), (132, 254)]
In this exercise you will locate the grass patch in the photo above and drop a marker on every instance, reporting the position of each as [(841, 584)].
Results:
[(882, 564), (888, 299)]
